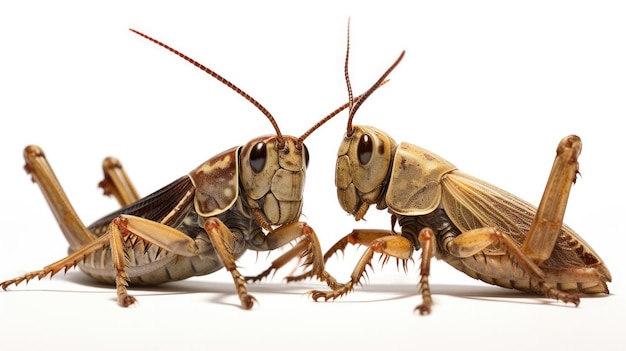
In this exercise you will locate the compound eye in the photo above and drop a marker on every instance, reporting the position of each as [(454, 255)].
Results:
[(306, 155), (258, 157), (364, 149)]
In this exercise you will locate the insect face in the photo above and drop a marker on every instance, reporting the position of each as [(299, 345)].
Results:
[(273, 175), (362, 171)]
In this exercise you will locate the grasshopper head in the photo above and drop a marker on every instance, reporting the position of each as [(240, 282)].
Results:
[(363, 166), (272, 176), (365, 155)]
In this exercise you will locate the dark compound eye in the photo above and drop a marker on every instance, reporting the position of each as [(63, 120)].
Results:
[(258, 156), (364, 149), (306, 155)]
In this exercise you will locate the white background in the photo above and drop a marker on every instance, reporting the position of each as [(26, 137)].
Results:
[(489, 85)]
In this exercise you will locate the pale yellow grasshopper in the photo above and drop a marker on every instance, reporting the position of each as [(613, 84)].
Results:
[(479, 229)]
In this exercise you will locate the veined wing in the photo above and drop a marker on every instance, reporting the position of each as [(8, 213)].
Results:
[(157, 206), (472, 203)]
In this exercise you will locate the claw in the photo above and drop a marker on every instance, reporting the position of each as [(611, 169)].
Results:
[(575, 299), (423, 309), (316, 295), (247, 302), (126, 300)]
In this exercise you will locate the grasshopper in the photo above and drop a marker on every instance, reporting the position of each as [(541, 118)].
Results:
[(246, 198), (479, 229)]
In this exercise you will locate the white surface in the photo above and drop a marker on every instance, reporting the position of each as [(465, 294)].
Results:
[(491, 87)]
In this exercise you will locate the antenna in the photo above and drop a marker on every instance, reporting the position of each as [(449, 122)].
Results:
[(223, 80), (354, 104)]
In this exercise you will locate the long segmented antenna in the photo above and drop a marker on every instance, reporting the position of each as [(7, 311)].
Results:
[(331, 115), (321, 122), (353, 104), (345, 72), (356, 103), (223, 80)]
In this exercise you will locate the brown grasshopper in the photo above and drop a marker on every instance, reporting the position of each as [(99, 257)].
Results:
[(246, 198), (479, 229)]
